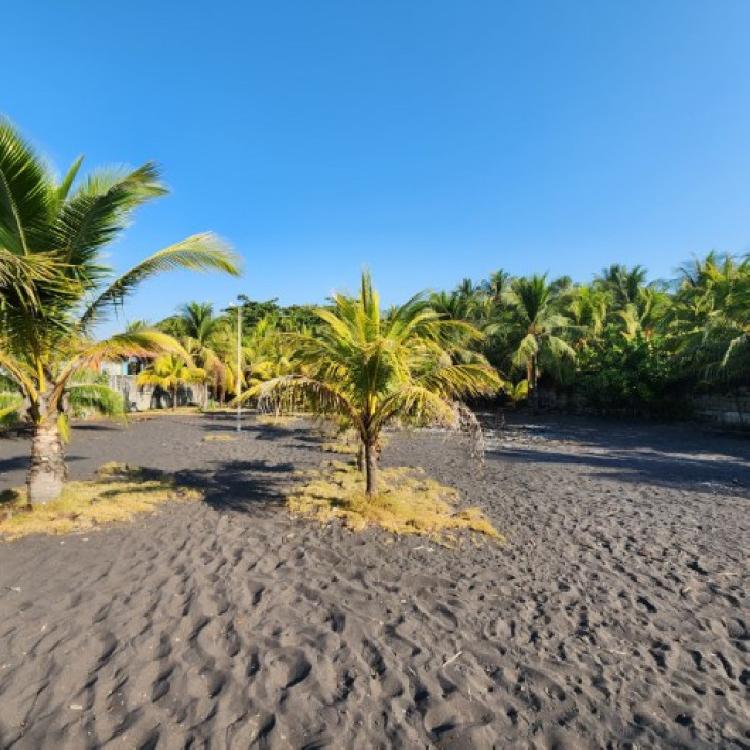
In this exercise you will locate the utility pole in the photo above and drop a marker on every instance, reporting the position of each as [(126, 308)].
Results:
[(239, 364)]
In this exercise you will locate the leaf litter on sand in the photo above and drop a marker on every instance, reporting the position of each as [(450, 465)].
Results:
[(408, 503)]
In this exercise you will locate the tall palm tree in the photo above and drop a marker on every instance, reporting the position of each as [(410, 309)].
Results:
[(539, 326), (371, 370), (647, 314), (497, 285), (588, 310), (198, 321), (198, 329), (46, 336), (622, 283)]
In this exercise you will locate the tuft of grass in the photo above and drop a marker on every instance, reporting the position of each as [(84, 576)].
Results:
[(408, 503), (279, 420), (346, 449), (119, 493), (219, 438), (347, 443), (180, 411)]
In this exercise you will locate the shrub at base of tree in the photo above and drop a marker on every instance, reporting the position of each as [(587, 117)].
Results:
[(408, 502)]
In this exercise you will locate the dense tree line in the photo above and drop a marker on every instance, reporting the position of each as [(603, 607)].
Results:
[(620, 341)]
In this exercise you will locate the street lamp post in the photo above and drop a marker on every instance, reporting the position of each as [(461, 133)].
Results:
[(239, 364)]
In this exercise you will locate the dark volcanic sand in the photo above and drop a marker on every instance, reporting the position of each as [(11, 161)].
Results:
[(617, 614)]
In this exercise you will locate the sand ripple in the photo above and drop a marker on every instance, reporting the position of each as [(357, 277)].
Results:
[(616, 616)]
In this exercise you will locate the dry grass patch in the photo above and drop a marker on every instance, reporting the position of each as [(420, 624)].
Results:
[(347, 443), (119, 493), (408, 503), (180, 411), (345, 449), (220, 438), (280, 420)]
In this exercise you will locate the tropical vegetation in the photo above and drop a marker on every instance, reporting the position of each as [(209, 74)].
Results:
[(368, 369), (618, 343)]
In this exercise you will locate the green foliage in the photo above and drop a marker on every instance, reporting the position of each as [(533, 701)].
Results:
[(85, 398), (620, 342), (630, 373), (10, 408), (517, 392)]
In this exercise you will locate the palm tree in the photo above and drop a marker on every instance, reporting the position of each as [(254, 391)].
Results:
[(169, 372), (45, 335), (197, 328), (198, 321), (497, 285), (588, 310), (539, 325), (713, 314), (647, 314), (622, 283), (370, 370)]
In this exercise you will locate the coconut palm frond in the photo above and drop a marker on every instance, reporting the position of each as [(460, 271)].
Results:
[(201, 252), (95, 396), (142, 343), (26, 195)]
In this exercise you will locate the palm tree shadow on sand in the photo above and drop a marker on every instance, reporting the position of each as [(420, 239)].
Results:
[(241, 486)]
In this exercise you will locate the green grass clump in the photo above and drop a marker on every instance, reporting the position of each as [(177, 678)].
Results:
[(119, 493), (408, 503)]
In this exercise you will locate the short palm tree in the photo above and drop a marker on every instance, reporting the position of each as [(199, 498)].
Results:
[(169, 372), (370, 370), (539, 326), (197, 329), (46, 322)]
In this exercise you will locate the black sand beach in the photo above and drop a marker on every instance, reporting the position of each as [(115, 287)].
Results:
[(616, 615)]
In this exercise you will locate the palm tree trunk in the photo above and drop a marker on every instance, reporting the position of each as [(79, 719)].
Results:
[(534, 372), (47, 472), (371, 469)]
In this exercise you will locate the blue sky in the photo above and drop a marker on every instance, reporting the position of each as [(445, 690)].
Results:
[(427, 140)]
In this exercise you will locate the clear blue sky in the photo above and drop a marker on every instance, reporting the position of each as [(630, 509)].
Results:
[(428, 140)]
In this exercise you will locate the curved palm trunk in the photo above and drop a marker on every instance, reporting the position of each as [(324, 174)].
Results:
[(533, 378), (47, 472), (371, 469)]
